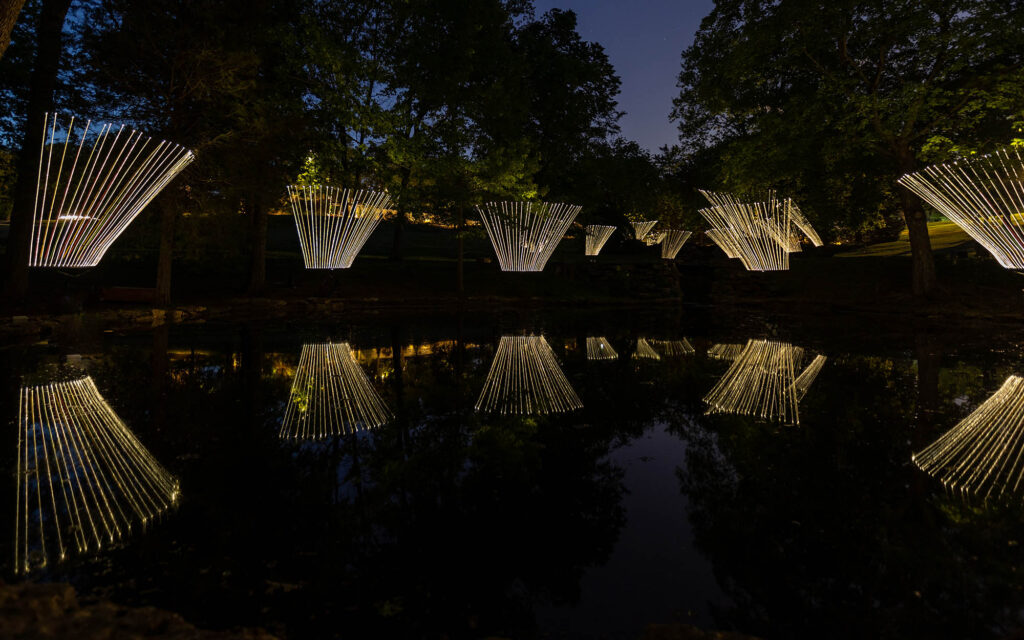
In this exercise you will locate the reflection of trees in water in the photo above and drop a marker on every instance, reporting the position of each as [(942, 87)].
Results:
[(819, 532)]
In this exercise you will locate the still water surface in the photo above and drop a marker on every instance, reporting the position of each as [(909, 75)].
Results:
[(748, 474)]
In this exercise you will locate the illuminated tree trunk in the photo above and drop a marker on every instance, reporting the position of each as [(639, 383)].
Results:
[(917, 230), (9, 10), (400, 218), (49, 44)]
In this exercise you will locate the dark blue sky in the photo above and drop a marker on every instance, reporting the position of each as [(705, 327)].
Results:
[(643, 39)]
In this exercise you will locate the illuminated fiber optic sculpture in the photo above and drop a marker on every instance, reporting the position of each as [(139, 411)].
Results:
[(83, 478), (93, 181), (762, 382), (803, 224), (331, 395), (673, 242), (525, 234), (984, 196), (644, 351), (641, 229), (599, 349), (675, 348), (654, 238), (725, 241), (334, 224), (525, 379), (596, 236), (725, 351), (983, 455), (758, 233)]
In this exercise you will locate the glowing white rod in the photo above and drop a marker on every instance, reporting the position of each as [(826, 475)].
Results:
[(334, 224), (83, 478), (331, 395), (984, 196), (673, 242), (599, 349), (525, 234), (91, 184), (758, 233), (644, 351), (596, 236), (525, 379)]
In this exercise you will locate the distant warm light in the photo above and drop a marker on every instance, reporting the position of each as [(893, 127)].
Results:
[(673, 241), (525, 234), (762, 382), (596, 237), (331, 395), (983, 455), (644, 351), (83, 478), (984, 196), (91, 185), (525, 379), (599, 349), (334, 224)]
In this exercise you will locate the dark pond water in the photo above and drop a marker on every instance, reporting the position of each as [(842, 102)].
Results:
[(742, 473)]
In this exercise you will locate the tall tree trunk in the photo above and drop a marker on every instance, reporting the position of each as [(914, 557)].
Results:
[(258, 257), (917, 230), (400, 219), (49, 45), (168, 213), (9, 10), (460, 261)]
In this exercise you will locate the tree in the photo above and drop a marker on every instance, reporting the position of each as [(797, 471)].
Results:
[(9, 10), (819, 93)]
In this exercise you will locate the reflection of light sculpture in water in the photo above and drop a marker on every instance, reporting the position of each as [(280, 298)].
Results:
[(596, 236), (762, 382), (984, 196), (983, 455), (525, 379), (87, 193), (725, 351), (83, 478), (525, 234), (645, 351), (673, 242), (599, 349), (334, 224), (675, 348), (331, 395)]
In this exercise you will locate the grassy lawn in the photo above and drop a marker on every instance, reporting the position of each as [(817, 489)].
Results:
[(944, 235)]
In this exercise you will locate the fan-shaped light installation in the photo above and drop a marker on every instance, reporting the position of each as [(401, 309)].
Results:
[(654, 238), (673, 242), (644, 351), (93, 181), (725, 240), (525, 234), (983, 455), (725, 351), (641, 229), (762, 382), (802, 223), (525, 379), (596, 236), (758, 233), (83, 478), (984, 196), (675, 348), (334, 224), (599, 349), (331, 395)]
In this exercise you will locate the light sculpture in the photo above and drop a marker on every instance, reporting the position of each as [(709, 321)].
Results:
[(725, 351), (525, 379), (762, 382), (334, 224), (756, 232), (673, 242), (984, 196), (92, 182), (644, 351), (596, 237), (599, 349), (803, 224), (676, 348), (83, 479), (725, 240), (525, 234), (983, 455), (642, 228), (654, 238), (331, 396)]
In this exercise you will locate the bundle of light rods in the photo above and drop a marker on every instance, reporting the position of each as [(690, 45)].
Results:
[(595, 238), (525, 379), (331, 395), (525, 234), (83, 479), (984, 196), (91, 184), (334, 224)]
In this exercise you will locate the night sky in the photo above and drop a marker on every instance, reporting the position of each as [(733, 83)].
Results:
[(643, 39)]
